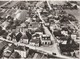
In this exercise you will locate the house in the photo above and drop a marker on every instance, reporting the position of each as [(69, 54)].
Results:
[(15, 55), (8, 50), (22, 51), (28, 20), (24, 38), (3, 45), (65, 33), (47, 24), (31, 53), (34, 26), (35, 42), (45, 40), (35, 56), (23, 25), (37, 34)]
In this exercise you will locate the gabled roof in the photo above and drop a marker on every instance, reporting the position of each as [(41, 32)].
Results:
[(3, 44), (24, 37), (36, 35), (35, 41), (10, 48)]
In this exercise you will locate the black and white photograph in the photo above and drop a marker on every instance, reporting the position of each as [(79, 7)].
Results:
[(39, 29)]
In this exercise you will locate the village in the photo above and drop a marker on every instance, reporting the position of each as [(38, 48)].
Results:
[(39, 29)]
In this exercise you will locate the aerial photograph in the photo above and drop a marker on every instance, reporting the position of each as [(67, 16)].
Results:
[(39, 29)]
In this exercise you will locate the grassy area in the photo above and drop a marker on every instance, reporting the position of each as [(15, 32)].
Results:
[(78, 2), (76, 13), (2, 2)]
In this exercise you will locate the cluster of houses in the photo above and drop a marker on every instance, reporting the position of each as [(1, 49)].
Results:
[(22, 24), (62, 26)]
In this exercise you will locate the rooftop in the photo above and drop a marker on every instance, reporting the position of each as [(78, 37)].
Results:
[(35, 41)]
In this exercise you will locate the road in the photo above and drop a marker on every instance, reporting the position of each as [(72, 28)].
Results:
[(49, 33), (76, 13), (51, 49), (49, 5), (54, 47)]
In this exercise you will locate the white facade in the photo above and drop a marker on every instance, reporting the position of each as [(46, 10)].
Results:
[(45, 40), (22, 53), (34, 44)]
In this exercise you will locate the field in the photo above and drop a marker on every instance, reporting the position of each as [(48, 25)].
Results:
[(76, 13), (2, 2)]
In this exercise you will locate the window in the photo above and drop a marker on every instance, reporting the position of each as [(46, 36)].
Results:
[(30, 25), (48, 43), (45, 43)]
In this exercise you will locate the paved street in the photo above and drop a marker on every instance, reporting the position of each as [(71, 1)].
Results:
[(54, 47), (51, 49)]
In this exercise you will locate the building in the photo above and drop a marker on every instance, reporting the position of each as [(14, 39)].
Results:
[(35, 42), (15, 55), (45, 40), (37, 34), (9, 50), (74, 37), (24, 38), (22, 51), (34, 26), (47, 24), (3, 45)]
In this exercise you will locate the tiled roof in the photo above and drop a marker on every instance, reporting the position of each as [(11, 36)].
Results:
[(24, 37), (2, 44), (35, 41)]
